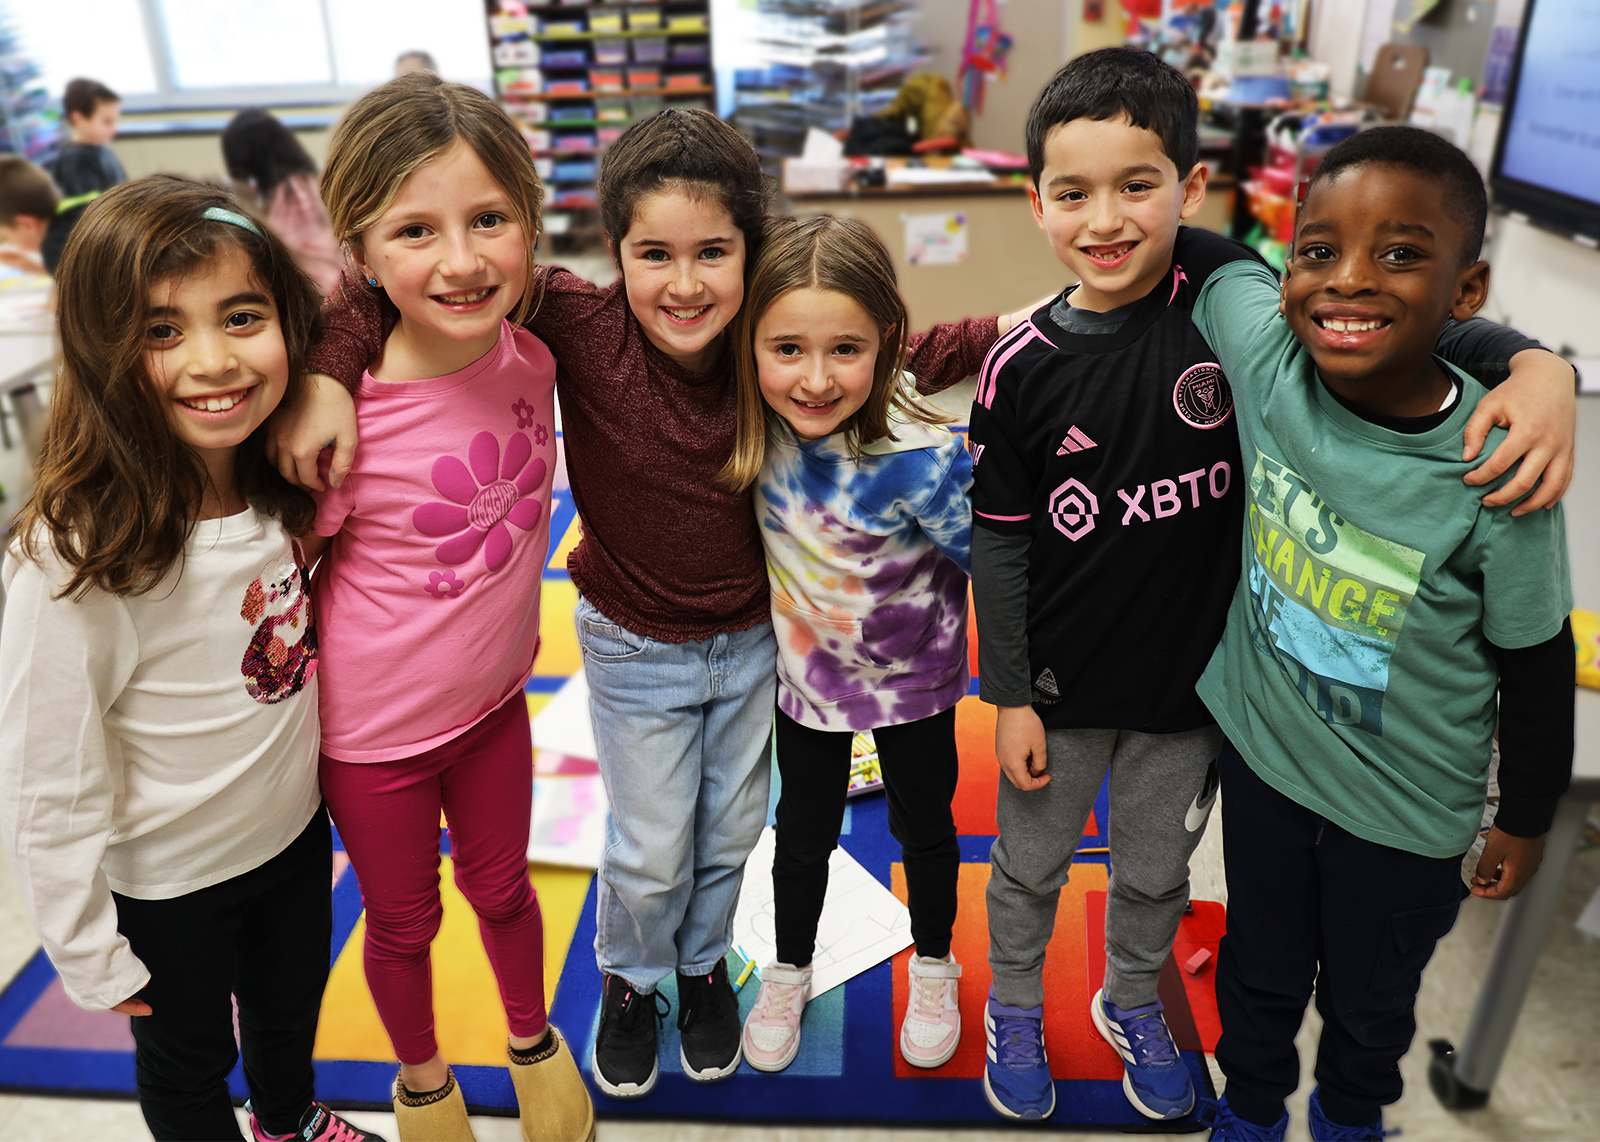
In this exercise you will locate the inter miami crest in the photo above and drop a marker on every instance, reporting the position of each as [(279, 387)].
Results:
[(1202, 396)]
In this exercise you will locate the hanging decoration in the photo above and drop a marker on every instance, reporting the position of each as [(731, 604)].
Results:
[(984, 53)]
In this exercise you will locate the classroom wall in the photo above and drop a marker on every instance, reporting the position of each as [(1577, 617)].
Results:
[(197, 154), (1043, 31), (1549, 287)]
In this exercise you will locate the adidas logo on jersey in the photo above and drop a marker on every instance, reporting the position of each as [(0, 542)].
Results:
[(1045, 690), (1076, 440)]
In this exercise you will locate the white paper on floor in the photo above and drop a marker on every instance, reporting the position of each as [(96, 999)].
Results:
[(569, 821), (1589, 918), (862, 924), (563, 725)]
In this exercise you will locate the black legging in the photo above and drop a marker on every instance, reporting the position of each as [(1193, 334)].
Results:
[(262, 936), (919, 772)]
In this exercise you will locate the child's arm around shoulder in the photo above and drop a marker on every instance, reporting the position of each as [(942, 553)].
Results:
[(1236, 311), (945, 513), (950, 352), (1537, 404), (62, 665), (355, 327)]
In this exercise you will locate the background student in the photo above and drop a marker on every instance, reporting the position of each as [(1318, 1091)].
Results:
[(282, 180), (85, 166), (27, 204)]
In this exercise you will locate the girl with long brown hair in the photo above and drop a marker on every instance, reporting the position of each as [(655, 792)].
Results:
[(158, 696)]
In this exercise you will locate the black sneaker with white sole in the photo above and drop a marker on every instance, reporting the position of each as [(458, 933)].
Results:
[(708, 1016), (625, 1063)]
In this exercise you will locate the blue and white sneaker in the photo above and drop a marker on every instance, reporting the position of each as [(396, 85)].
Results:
[(1324, 1129), (1154, 1077), (1226, 1126), (1016, 1079)]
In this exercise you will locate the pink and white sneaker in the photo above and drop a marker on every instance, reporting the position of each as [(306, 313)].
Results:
[(932, 1026), (772, 1029), (318, 1124)]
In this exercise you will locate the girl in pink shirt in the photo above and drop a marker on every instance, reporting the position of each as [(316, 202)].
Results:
[(429, 592)]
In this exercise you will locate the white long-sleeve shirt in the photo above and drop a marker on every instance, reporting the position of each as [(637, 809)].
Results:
[(155, 744)]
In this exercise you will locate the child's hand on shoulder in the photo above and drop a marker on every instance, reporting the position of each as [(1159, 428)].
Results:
[(1009, 321), (323, 416), (1538, 406), (1506, 866), (1019, 744)]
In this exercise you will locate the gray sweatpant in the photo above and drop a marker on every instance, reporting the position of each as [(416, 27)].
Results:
[(1162, 786)]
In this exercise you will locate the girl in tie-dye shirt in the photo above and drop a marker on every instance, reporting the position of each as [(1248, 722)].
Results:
[(861, 496)]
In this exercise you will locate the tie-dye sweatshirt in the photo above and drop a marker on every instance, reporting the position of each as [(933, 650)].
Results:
[(868, 564)]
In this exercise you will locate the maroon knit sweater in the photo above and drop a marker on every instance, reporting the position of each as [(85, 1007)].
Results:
[(667, 551)]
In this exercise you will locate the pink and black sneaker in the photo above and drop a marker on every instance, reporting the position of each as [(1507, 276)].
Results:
[(318, 1124)]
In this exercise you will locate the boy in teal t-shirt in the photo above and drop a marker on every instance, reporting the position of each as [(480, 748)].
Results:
[(1381, 608)]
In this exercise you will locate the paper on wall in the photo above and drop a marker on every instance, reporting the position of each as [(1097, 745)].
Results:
[(936, 239), (862, 924)]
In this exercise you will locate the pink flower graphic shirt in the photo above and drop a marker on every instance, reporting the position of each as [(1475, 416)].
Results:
[(428, 598)]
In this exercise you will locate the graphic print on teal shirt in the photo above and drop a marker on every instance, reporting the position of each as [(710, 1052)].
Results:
[(1330, 597)]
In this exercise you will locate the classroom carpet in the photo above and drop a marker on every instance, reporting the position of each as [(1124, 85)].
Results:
[(849, 1068)]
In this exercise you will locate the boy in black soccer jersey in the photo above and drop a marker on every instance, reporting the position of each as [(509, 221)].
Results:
[(1107, 504)]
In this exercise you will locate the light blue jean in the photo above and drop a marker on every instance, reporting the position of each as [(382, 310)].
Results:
[(684, 734)]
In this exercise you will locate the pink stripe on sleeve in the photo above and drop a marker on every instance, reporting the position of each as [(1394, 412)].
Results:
[(998, 356), (1004, 518)]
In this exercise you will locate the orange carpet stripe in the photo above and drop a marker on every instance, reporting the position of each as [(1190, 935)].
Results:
[(1074, 1051)]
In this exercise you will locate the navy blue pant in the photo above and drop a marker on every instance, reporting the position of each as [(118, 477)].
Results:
[(1313, 907), (262, 936)]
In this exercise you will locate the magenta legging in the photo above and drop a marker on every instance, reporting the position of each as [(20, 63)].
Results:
[(387, 813)]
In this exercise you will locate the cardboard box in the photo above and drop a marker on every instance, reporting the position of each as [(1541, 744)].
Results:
[(800, 177)]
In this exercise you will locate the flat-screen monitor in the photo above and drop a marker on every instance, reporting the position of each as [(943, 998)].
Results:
[(1547, 158)]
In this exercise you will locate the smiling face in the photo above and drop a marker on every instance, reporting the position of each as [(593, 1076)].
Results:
[(1110, 200), (214, 351), (452, 257), (1377, 269), (682, 265), (816, 351)]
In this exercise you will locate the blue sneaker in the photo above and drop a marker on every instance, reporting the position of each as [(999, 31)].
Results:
[(1154, 1077), (1226, 1126), (1323, 1129), (1016, 1079)]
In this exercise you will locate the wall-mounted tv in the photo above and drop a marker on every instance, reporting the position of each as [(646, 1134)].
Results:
[(1547, 158)]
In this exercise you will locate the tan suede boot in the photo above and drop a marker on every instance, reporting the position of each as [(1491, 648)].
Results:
[(555, 1104), (438, 1116)]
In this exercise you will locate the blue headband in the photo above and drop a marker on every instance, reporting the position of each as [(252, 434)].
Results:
[(233, 218)]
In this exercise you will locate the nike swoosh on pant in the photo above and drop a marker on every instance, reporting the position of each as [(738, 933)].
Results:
[(1197, 814)]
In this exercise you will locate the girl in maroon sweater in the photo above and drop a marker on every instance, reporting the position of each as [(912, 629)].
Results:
[(673, 616)]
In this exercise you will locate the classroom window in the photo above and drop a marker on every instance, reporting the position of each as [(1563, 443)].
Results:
[(203, 53)]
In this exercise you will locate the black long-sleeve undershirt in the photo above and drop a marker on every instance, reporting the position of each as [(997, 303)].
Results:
[(1537, 707)]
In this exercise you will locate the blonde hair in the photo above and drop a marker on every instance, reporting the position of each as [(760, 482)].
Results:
[(844, 256), (393, 130)]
